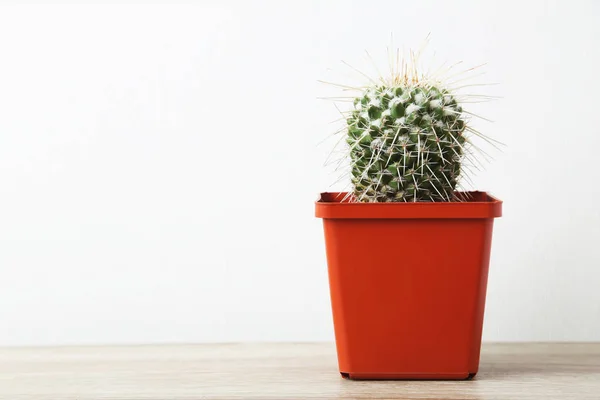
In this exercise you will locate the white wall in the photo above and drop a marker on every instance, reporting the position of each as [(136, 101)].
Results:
[(158, 164)]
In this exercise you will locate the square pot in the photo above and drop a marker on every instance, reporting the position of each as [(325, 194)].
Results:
[(408, 284)]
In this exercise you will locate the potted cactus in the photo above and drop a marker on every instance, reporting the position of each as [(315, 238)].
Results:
[(407, 252)]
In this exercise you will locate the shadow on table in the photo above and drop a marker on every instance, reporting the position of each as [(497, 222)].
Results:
[(497, 366)]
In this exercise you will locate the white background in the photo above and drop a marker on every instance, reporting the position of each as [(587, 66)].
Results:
[(159, 163)]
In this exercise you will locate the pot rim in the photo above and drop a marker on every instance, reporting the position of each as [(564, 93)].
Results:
[(483, 205)]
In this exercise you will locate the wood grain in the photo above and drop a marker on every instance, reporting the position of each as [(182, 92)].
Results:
[(282, 371)]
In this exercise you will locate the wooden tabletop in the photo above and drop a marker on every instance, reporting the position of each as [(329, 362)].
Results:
[(278, 371)]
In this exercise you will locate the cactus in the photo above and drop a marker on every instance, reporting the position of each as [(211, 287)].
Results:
[(407, 137), (406, 142)]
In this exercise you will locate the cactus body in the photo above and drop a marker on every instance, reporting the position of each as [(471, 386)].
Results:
[(406, 144)]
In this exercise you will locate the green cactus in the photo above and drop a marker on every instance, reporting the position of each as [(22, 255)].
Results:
[(406, 143)]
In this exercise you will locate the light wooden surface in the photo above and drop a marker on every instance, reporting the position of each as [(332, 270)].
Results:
[(278, 371)]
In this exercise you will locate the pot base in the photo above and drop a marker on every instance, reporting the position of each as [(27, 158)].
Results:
[(408, 376)]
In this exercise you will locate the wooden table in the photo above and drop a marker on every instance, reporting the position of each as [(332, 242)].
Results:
[(278, 371)]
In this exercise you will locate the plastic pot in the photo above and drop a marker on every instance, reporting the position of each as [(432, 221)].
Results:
[(408, 284)]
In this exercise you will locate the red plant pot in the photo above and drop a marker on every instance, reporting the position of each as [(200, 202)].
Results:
[(408, 284)]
